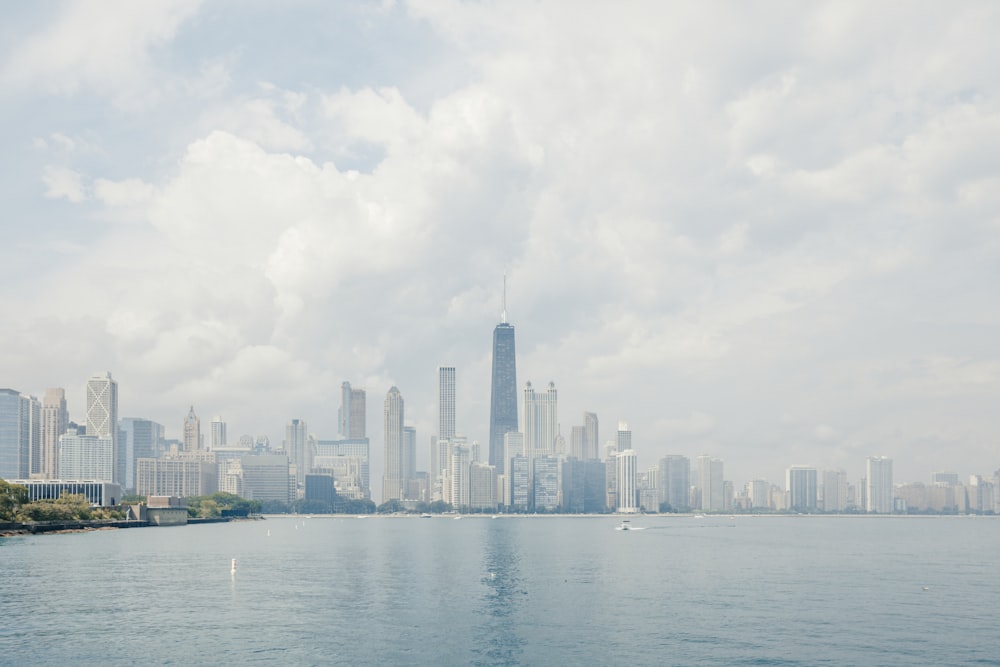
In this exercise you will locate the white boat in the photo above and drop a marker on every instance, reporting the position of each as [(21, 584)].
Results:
[(624, 525)]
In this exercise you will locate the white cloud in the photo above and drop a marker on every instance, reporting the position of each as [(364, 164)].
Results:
[(104, 46), (63, 183)]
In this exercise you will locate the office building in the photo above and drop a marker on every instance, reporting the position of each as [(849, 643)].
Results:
[(394, 477), (519, 483), (102, 420), (218, 435), (192, 432), (54, 421), (457, 477), (710, 484), (320, 489), (879, 498), (591, 446), (409, 459), (18, 433), (297, 446), (626, 479), (446, 402), (267, 478), (541, 421), (86, 457), (759, 493), (503, 389), (352, 416), (674, 481), (834, 490), (623, 439), (482, 487), (800, 482), (545, 483), (182, 476), (139, 439)]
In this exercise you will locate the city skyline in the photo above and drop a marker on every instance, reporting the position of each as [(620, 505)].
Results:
[(765, 236)]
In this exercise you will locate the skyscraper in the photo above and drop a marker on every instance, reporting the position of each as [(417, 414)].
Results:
[(142, 439), (541, 420), (446, 402), (409, 457), (626, 480), (54, 421), (624, 437), (834, 490), (879, 479), (102, 415), (297, 445), (352, 416), (503, 388), (192, 432), (218, 433), (18, 430), (675, 482), (591, 450), (800, 482), (710, 483), (392, 480)]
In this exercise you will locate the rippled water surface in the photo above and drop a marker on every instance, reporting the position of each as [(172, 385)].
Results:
[(534, 590)]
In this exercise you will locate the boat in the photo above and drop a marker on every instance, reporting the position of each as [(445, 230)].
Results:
[(624, 525), (425, 515)]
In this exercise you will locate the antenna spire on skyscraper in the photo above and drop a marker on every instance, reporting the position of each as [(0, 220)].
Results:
[(503, 313)]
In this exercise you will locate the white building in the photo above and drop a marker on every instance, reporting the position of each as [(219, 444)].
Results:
[(482, 487), (710, 482), (393, 477), (625, 478), (834, 490), (218, 433), (102, 421), (541, 421), (879, 499), (87, 457)]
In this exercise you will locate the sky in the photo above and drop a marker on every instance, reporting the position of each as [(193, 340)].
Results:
[(764, 231)]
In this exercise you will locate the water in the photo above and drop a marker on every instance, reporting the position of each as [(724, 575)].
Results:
[(534, 591)]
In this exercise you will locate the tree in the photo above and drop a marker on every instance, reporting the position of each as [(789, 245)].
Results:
[(12, 496), (391, 506)]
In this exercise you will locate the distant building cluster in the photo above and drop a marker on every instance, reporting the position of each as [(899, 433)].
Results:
[(528, 467)]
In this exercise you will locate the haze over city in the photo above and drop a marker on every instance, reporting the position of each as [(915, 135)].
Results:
[(768, 233)]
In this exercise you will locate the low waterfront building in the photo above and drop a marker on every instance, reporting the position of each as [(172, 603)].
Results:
[(98, 493)]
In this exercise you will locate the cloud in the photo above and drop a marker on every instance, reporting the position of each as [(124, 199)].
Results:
[(105, 47), (63, 183)]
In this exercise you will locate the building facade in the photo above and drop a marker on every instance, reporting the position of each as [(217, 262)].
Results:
[(503, 392), (393, 479)]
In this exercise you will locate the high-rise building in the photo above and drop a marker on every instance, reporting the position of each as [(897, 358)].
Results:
[(218, 433), (626, 479), (446, 402), (86, 457), (800, 482), (192, 432), (576, 446), (503, 388), (393, 479), (591, 448), (140, 439), (482, 487), (409, 459), (545, 483), (879, 498), (759, 491), (353, 412), (834, 490), (674, 481), (102, 417), (519, 483), (458, 477), (18, 433), (710, 483), (297, 446), (54, 420), (541, 421), (624, 437)]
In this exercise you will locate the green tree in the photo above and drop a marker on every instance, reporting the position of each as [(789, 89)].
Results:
[(390, 506), (12, 496)]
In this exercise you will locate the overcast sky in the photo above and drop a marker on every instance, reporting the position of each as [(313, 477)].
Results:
[(769, 232)]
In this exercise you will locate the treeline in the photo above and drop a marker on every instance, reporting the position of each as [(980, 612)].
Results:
[(15, 506)]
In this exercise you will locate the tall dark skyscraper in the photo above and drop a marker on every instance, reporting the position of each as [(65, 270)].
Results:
[(503, 395)]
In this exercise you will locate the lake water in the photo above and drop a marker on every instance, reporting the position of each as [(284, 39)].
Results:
[(530, 590)]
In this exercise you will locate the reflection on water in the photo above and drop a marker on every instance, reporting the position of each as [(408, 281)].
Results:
[(498, 642)]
